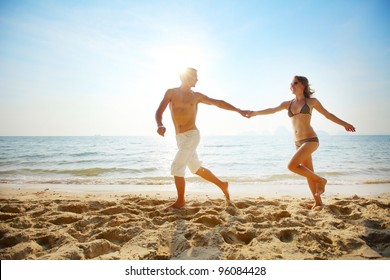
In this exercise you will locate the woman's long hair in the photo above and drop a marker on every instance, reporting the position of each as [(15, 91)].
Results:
[(307, 91)]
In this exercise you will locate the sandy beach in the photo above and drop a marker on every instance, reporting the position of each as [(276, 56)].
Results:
[(43, 222)]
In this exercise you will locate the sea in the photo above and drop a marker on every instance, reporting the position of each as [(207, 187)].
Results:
[(146, 160)]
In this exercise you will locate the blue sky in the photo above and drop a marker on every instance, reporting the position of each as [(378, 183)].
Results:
[(102, 67)]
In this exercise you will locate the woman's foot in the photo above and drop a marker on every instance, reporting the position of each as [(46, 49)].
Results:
[(316, 206), (320, 186)]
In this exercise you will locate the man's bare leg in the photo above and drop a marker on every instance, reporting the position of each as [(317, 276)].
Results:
[(180, 188), (209, 176)]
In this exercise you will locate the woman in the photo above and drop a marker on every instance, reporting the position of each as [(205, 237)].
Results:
[(306, 140)]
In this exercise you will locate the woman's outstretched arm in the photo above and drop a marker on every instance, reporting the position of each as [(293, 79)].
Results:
[(282, 106), (318, 106)]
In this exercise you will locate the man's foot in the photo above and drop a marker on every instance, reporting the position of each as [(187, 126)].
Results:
[(225, 189), (320, 187), (229, 203), (175, 206)]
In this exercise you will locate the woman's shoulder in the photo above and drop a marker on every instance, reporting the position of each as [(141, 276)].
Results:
[(286, 104), (312, 101)]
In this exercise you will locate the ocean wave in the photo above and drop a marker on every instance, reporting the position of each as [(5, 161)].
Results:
[(91, 181), (168, 180), (374, 182), (96, 171), (224, 145), (84, 154)]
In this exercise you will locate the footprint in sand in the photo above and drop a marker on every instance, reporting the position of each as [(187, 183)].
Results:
[(65, 219), (321, 239), (98, 205), (150, 202), (190, 211), (21, 223), (212, 212), (10, 240), (270, 203), (113, 210), (117, 236), (278, 215), (50, 241), (7, 216), (378, 240), (372, 224), (286, 235), (97, 248), (339, 210), (73, 208), (80, 237), (188, 235), (12, 209), (243, 204), (158, 221), (238, 238), (209, 221), (345, 212)]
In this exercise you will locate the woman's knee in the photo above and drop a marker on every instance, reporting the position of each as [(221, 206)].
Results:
[(292, 166)]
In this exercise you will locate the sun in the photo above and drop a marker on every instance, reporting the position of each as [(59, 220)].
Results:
[(169, 61)]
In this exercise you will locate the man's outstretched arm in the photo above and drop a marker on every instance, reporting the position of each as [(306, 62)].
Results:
[(223, 105)]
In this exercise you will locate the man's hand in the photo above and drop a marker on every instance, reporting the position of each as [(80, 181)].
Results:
[(161, 130)]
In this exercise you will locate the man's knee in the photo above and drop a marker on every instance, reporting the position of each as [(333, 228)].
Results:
[(199, 171), (196, 168)]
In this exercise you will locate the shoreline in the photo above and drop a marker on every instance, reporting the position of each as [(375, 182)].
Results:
[(198, 191)]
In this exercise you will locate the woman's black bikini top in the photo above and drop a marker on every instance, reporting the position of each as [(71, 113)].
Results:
[(304, 110)]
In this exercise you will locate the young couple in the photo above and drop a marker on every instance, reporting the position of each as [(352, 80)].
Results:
[(183, 104)]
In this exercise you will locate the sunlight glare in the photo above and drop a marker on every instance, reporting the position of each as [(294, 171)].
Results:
[(170, 61)]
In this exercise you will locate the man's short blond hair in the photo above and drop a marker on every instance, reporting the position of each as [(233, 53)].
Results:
[(187, 72)]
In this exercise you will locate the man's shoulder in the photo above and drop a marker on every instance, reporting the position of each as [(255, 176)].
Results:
[(172, 89), (198, 94), (170, 92)]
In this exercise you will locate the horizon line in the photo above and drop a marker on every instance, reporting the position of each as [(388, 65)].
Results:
[(205, 135)]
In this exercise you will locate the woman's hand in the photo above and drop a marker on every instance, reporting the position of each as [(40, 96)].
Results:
[(349, 127)]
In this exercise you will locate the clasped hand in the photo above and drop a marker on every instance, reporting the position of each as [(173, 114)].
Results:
[(246, 113)]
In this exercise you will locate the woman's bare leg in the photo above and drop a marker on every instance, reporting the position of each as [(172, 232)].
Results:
[(312, 184), (302, 154), (295, 165)]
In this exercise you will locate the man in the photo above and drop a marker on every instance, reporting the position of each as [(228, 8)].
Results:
[(183, 103)]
